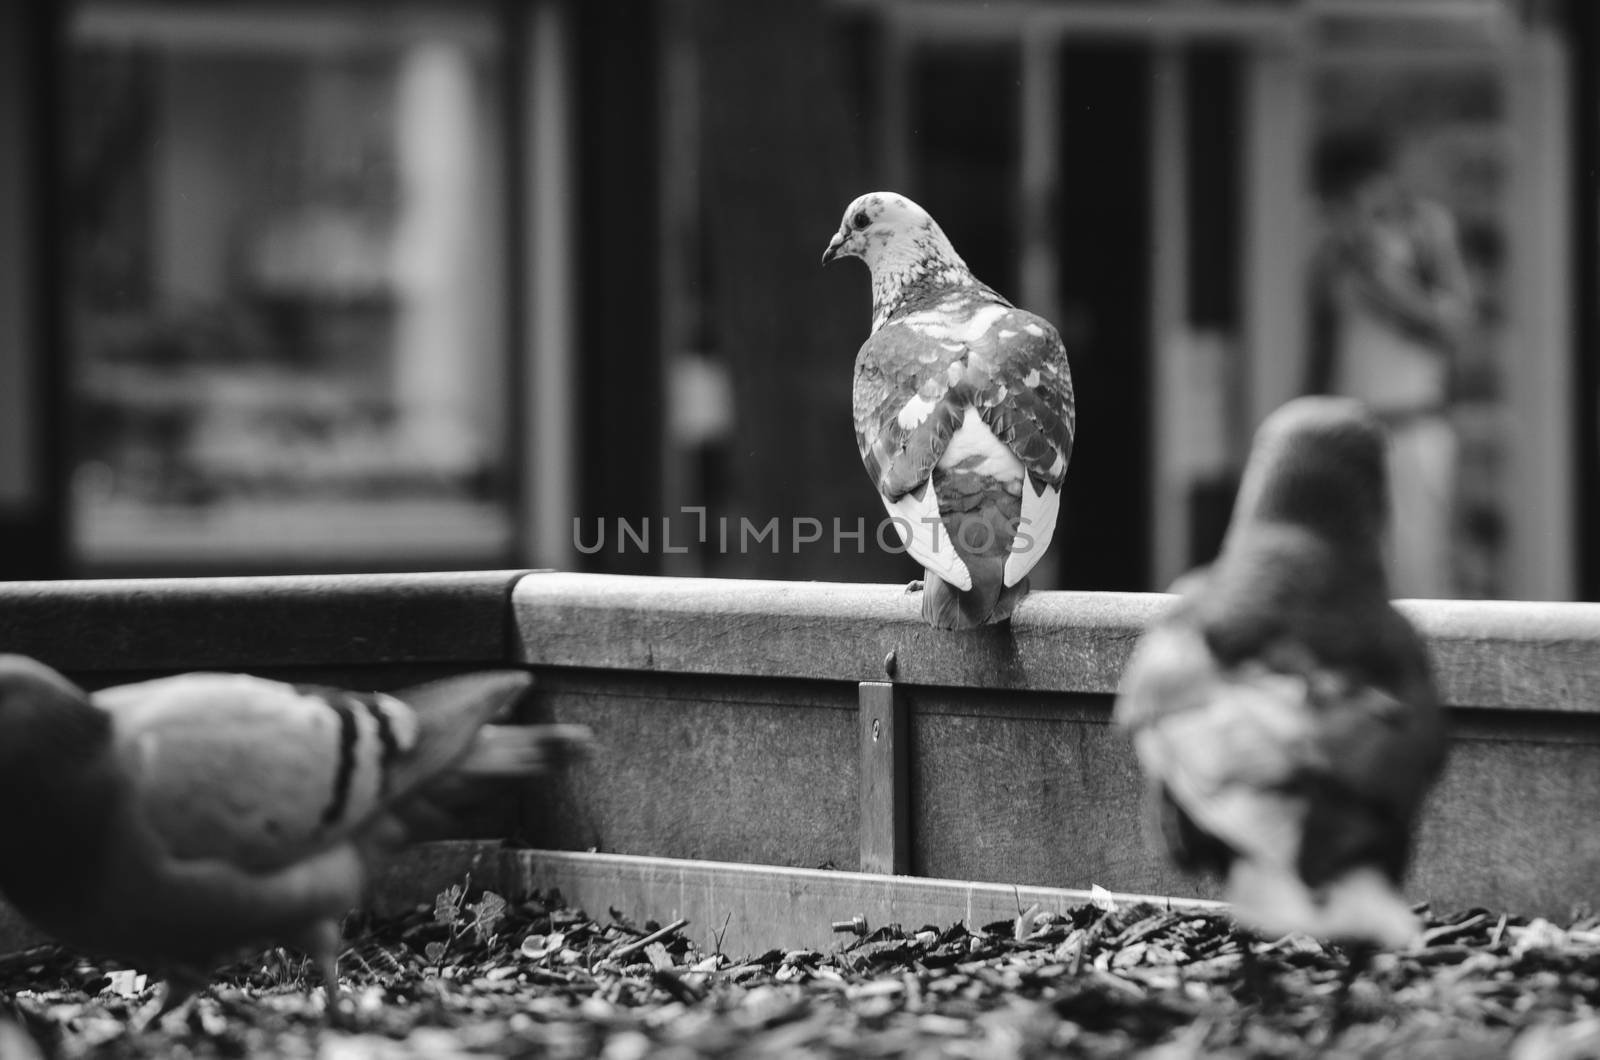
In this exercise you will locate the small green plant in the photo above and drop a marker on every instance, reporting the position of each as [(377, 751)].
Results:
[(480, 918)]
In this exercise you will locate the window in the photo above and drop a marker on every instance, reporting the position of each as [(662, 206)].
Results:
[(286, 287)]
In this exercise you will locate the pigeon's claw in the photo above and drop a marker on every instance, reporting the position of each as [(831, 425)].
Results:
[(181, 987), (321, 942)]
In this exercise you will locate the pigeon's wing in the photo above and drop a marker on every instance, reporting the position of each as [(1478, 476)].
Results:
[(1225, 747), (1383, 734), (1309, 769), (905, 413), (1168, 664), (254, 772), (1019, 381), (261, 774)]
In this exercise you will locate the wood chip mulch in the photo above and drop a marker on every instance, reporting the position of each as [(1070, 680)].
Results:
[(475, 976)]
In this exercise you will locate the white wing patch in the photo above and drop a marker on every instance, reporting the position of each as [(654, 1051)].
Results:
[(921, 529), (941, 324), (915, 411), (979, 323), (929, 323), (1035, 528)]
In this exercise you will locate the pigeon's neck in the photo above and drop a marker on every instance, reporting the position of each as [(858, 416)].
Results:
[(62, 775), (1276, 581), (1311, 566), (1343, 506), (49, 744), (907, 268)]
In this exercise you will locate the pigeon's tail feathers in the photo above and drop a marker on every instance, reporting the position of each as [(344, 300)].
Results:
[(450, 713), (433, 790), (942, 604), (915, 517), (989, 601), (1041, 508), (524, 750), (1362, 905), (1006, 601), (979, 520), (450, 805)]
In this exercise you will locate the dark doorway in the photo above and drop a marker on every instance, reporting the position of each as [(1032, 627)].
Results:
[(1105, 294), (33, 525)]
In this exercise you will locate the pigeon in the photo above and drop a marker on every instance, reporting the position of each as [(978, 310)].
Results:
[(183, 821), (1283, 711), (963, 410)]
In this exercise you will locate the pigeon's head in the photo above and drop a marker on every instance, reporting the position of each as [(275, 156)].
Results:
[(884, 224), (42, 715), (1319, 462)]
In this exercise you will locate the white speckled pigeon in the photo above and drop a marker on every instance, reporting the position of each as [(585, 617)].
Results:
[(1284, 713), (175, 823), (963, 413)]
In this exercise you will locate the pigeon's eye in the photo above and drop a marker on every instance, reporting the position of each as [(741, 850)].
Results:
[(861, 220)]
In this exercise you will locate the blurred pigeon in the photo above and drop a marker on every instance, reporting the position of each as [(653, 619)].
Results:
[(16, 1043), (1284, 713), (963, 413), (178, 822)]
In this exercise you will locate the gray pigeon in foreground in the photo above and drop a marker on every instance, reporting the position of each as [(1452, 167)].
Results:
[(177, 823), (1284, 713), (964, 413)]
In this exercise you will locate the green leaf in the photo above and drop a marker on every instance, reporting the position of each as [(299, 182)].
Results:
[(487, 914), (447, 906)]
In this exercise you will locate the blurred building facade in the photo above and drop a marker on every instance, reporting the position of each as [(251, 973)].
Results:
[(380, 285)]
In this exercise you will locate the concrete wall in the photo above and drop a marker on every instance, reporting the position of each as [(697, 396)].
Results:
[(727, 717)]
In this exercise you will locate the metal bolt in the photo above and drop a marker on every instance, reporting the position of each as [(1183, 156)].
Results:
[(856, 925), (890, 663), (877, 729)]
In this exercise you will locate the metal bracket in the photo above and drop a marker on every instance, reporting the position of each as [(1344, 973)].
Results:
[(885, 780)]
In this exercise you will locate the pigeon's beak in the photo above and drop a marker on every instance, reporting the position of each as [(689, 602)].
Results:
[(833, 247)]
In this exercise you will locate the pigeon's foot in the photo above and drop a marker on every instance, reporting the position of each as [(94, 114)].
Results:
[(321, 942), (914, 586), (340, 1010), (1256, 984), (1345, 1008), (180, 988)]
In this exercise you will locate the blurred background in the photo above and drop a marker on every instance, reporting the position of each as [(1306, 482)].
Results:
[(366, 285)]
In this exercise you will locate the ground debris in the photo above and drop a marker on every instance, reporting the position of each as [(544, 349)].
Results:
[(474, 976)]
